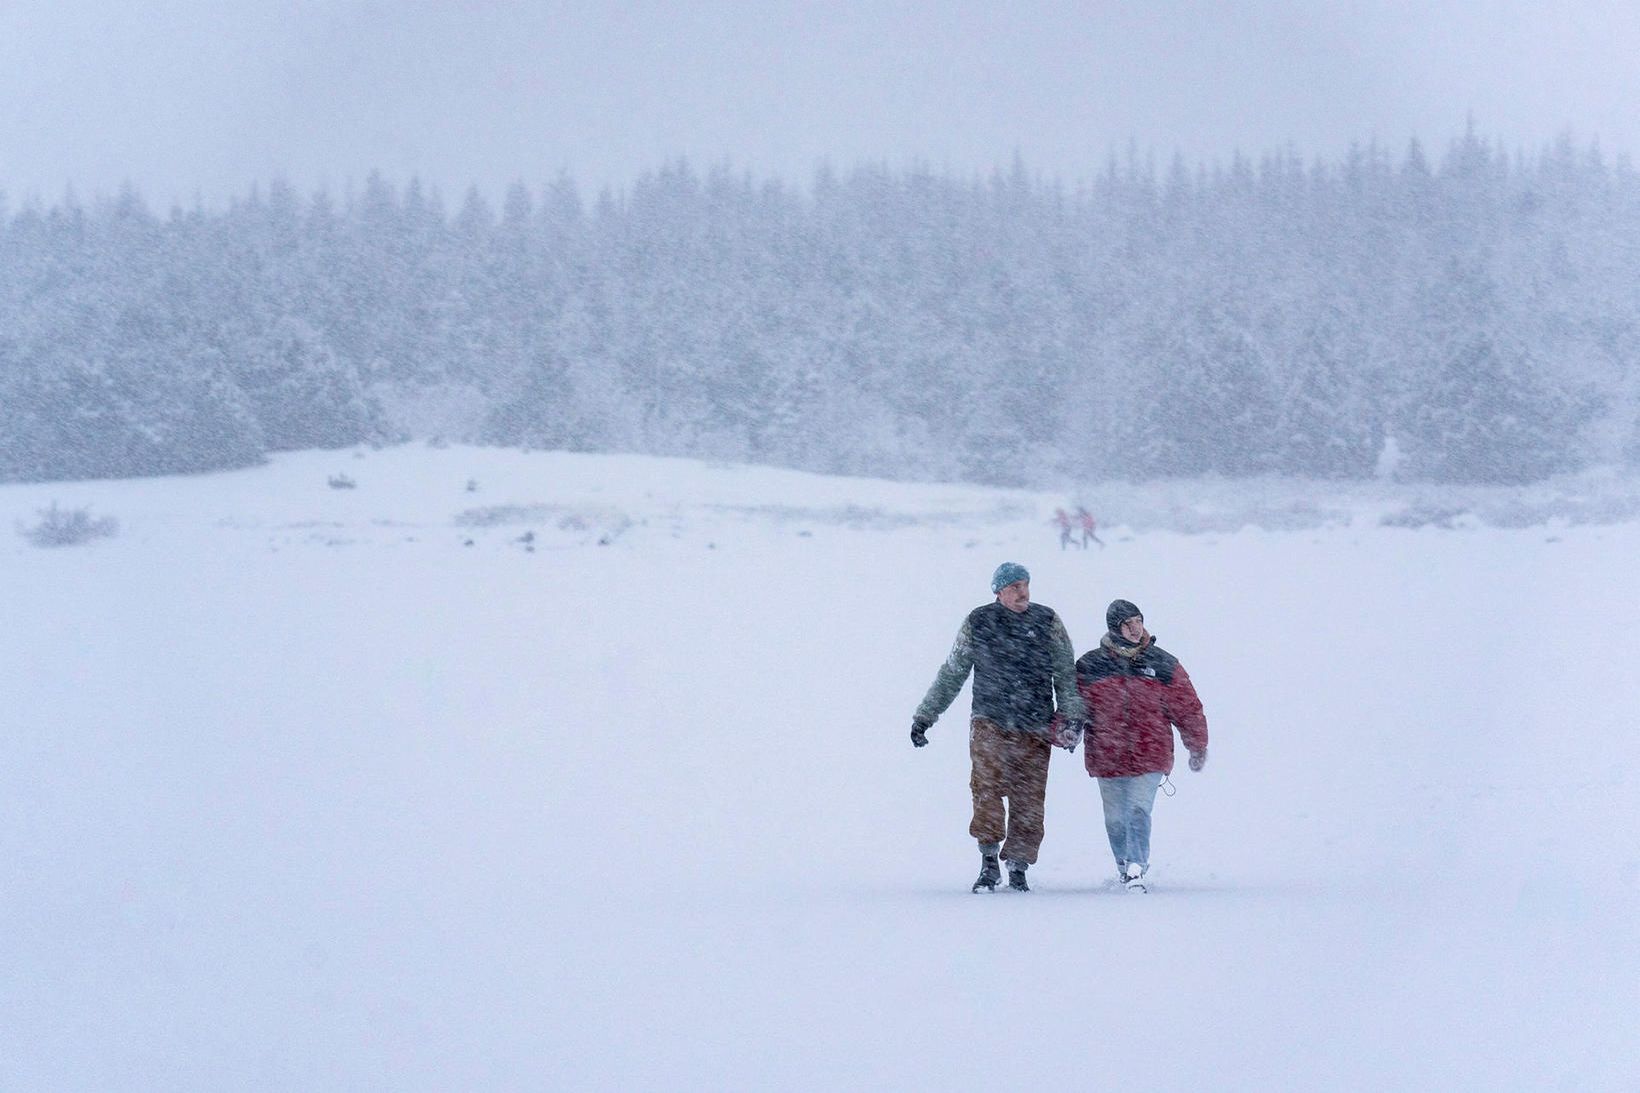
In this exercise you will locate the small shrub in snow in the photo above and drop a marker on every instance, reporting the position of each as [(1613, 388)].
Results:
[(1422, 516), (491, 516), (554, 524), (342, 482), (69, 527)]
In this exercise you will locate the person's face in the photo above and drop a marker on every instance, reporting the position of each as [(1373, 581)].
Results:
[(1134, 629), (1016, 596)]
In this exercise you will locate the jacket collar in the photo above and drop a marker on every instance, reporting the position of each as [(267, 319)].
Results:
[(1118, 646)]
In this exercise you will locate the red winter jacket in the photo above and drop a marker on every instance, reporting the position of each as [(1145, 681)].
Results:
[(1133, 702)]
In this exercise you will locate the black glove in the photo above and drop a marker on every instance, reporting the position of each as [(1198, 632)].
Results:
[(919, 730), (1198, 759)]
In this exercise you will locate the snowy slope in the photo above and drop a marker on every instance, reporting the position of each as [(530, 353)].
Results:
[(301, 790)]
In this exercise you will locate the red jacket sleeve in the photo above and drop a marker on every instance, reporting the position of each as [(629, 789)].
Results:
[(1184, 709)]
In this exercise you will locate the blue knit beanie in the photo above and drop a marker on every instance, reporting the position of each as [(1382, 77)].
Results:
[(1007, 573)]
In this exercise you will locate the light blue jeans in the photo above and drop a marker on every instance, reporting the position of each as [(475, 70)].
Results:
[(1128, 802)]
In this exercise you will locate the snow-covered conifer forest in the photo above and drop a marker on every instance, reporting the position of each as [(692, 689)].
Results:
[(1475, 312)]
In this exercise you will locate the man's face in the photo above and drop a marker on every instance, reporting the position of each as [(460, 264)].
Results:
[(1134, 629), (1016, 596)]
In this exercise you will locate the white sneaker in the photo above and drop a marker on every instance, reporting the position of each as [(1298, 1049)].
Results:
[(1135, 878)]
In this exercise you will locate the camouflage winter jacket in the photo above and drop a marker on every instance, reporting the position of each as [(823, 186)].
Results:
[(1021, 661)]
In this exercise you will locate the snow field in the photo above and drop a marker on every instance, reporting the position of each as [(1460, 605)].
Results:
[(401, 813)]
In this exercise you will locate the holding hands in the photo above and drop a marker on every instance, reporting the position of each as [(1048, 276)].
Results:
[(1069, 734)]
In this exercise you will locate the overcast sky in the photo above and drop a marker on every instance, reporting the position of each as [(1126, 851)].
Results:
[(190, 98)]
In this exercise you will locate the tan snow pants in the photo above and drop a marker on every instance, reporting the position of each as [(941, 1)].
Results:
[(1012, 765)]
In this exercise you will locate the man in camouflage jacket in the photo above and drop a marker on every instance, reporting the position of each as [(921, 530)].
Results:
[(1023, 661)]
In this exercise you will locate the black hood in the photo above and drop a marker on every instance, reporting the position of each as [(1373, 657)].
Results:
[(1119, 612)]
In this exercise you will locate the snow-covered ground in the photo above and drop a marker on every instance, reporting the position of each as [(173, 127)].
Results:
[(595, 776)]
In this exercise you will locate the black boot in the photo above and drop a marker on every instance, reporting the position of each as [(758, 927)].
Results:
[(1016, 879), (990, 872)]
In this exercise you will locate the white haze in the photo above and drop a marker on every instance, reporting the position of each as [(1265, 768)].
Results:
[(187, 98)]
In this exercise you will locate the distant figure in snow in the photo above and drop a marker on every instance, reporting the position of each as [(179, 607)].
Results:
[(1063, 520), (1022, 659), (1086, 519), (1135, 694)]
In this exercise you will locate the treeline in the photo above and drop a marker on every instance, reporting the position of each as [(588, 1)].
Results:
[(1471, 318)]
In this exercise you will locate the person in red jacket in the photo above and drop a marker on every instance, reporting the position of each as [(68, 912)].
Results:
[(1135, 694), (1088, 524), (1062, 519)]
